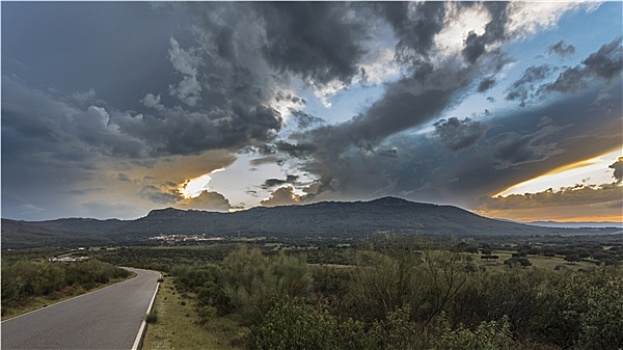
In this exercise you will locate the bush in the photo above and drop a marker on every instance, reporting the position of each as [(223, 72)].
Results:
[(491, 335), (250, 280), (291, 324), (152, 317)]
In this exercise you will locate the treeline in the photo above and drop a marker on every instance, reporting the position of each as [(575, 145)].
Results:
[(24, 279), (404, 293), (613, 255), (163, 259)]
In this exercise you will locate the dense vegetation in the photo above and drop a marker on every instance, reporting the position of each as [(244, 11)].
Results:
[(394, 291), (25, 279), (399, 292)]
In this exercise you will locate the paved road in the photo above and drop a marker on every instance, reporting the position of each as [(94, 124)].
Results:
[(105, 319)]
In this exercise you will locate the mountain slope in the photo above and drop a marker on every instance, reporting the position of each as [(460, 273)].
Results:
[(329, 219)]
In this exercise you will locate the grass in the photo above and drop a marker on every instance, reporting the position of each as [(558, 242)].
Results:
[(177, 326), (540, 262), (66, 293)]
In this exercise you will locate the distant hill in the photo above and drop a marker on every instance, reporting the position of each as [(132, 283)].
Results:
[(63, 232), (596, 224), (324, 219)]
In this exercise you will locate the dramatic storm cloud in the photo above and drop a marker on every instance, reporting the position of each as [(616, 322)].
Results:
[(114, 109)]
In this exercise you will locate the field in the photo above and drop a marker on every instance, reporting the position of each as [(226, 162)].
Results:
[(539, 262)]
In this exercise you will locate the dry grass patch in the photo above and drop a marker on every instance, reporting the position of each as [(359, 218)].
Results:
[(177, 326), (541, 262)]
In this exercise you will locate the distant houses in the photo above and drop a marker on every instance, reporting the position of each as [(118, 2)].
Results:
[(183, 238), (68, 259)]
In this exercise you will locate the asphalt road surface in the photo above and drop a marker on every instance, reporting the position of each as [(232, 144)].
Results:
[(109, 319)]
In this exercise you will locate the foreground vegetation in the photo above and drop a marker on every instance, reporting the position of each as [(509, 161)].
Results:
[(390, 292), (29, 284), (387, 292)]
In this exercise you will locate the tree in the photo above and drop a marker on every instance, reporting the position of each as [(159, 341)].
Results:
[(525, 262), (411, 272), (515, 260), (472, 250), (549, 253), (572, 258)]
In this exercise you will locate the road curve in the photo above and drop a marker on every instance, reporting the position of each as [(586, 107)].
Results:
[(109, 318)]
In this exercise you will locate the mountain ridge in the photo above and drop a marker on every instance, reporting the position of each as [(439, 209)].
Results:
[(322, 219)]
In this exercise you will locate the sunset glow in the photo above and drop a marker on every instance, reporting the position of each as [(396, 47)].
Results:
[(192, 188), (593, 171)]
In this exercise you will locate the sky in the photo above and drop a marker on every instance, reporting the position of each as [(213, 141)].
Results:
[(508, 109)]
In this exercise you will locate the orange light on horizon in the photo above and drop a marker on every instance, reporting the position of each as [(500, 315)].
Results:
[(534, 214), (569, 175)]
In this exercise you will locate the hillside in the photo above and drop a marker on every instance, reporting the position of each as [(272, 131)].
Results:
[(328, 219), (325, 219)]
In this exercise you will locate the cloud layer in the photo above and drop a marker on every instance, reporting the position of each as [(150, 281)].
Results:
[(217, 82)]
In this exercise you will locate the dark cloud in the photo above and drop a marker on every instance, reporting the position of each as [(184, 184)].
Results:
[(305, 120), (123, 177), (265, 160), (172, 131), (570, 80), (290, 179), (605, 64), (486, 84), (518, 145), (160, 195), (338, 153), (387, 152), (475, 45), (524, 88), (73, 35), (561, 49), (179, 131), (458, 134), (512, 149), (407, 103), (319, 41), (495, 29), (295, 150), (333, 152), (415, 26), (618, 169)]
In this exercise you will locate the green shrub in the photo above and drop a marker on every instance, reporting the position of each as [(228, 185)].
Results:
[(291, 324), (491, 335), (152, 317)]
